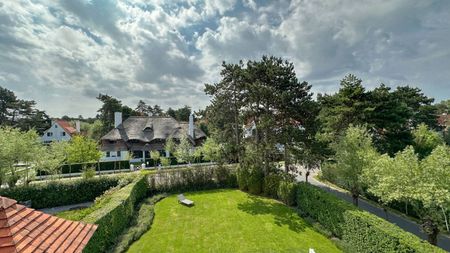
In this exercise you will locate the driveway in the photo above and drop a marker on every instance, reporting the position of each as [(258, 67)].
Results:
[(405, 224)]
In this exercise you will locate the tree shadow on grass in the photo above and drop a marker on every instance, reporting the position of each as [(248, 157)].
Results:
[(283, 215)]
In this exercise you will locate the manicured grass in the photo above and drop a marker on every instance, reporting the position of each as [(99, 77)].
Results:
[(229, 221)]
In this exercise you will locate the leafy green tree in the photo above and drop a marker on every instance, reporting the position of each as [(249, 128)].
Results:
[(17, 147), (165, 161), (443, 107), (110, 105), (157, 111), (52, 157), (82, 150), (354, 154), (425, 184), (425, 140), (211, 150), (170, 145), (183, 151), (155, 156), (143, 109)]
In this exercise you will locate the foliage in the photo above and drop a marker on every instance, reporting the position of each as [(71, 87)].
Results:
[(361, 231), (88, 173), (20, 113), (354, 153), (165, 161), (61, 192), (236, 221), (82, 150), (287, 192), (425, 140), (271, 184), (140, 224), (17, 147), (52, 157), (180, 114), (170, 145), (211, 150), (443, 107), (191, 179), (115, 216), (425, 184), (155, 155), (183, 151)]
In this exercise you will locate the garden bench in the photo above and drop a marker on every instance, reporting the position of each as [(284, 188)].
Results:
[(183, 200)]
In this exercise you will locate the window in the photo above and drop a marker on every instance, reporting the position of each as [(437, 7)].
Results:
[(137, 154), (56, 126), (63, 133), (108, 154), (118, 153), (49, 134)]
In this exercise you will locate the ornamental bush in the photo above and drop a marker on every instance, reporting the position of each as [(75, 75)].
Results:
[(359, 230), (61, 192), (287, 191)]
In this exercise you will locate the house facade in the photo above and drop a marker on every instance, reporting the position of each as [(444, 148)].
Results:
[(60, 130), (134, 138)]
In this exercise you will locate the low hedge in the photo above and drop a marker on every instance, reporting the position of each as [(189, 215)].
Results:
[(115, 216), (140, 224), (61, 192), (359, 230), (99, 166)]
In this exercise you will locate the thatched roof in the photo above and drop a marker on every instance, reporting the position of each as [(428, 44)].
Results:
[(147, 129)]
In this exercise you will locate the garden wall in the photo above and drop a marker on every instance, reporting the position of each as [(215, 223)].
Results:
[(360, 231)]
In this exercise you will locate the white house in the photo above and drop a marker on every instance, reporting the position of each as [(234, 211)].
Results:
[(60, 130)]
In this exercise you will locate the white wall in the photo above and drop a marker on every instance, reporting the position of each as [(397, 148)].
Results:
[(55, 134), (113, 156)]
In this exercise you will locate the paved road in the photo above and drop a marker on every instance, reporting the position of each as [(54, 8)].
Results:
[(406, 224)]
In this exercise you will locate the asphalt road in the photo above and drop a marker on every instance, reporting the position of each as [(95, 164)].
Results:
[(405, 224)]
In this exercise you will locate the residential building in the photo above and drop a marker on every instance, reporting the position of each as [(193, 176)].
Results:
[(60, 130), (134, 138), (23, 229)]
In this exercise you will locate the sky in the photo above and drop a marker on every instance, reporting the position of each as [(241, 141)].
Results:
[(63, 53)]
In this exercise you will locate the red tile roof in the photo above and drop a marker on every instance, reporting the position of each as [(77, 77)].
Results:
[(24, 229), (67, 127), (444, 119)]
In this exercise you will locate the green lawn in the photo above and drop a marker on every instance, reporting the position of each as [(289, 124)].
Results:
[(229, 221)]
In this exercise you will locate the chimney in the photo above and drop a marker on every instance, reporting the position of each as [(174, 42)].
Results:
[(191, 125), (117, 119), (77, 126)]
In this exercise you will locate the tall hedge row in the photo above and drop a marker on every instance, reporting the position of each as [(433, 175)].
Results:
[(361, 231), (115, 216), (61, 192)]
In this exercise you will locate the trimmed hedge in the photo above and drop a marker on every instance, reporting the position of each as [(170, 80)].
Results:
[(99, 166), (140, 224), (62, 192), (115, 216), (359, 230), (193, 179)]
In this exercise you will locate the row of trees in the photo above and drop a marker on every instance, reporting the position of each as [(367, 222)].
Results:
[(22, 154), (419, 175)]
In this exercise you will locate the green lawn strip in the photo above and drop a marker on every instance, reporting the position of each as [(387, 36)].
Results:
[(229, 221)]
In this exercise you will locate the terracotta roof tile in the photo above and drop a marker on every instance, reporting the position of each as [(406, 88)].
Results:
[(24, 230), (67, 127)]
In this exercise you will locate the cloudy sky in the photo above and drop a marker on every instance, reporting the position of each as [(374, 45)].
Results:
[(63, 53)]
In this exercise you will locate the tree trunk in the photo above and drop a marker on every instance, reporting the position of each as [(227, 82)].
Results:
[(306, 176), (432, 238), (286, 158), (430, 227), (355, 198)]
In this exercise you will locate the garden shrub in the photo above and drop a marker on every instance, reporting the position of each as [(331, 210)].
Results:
[(242, 177), (140, 224), (359, 230), (115, 216), (255, 180), (287, 191), (271, 184), (61, 192)]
